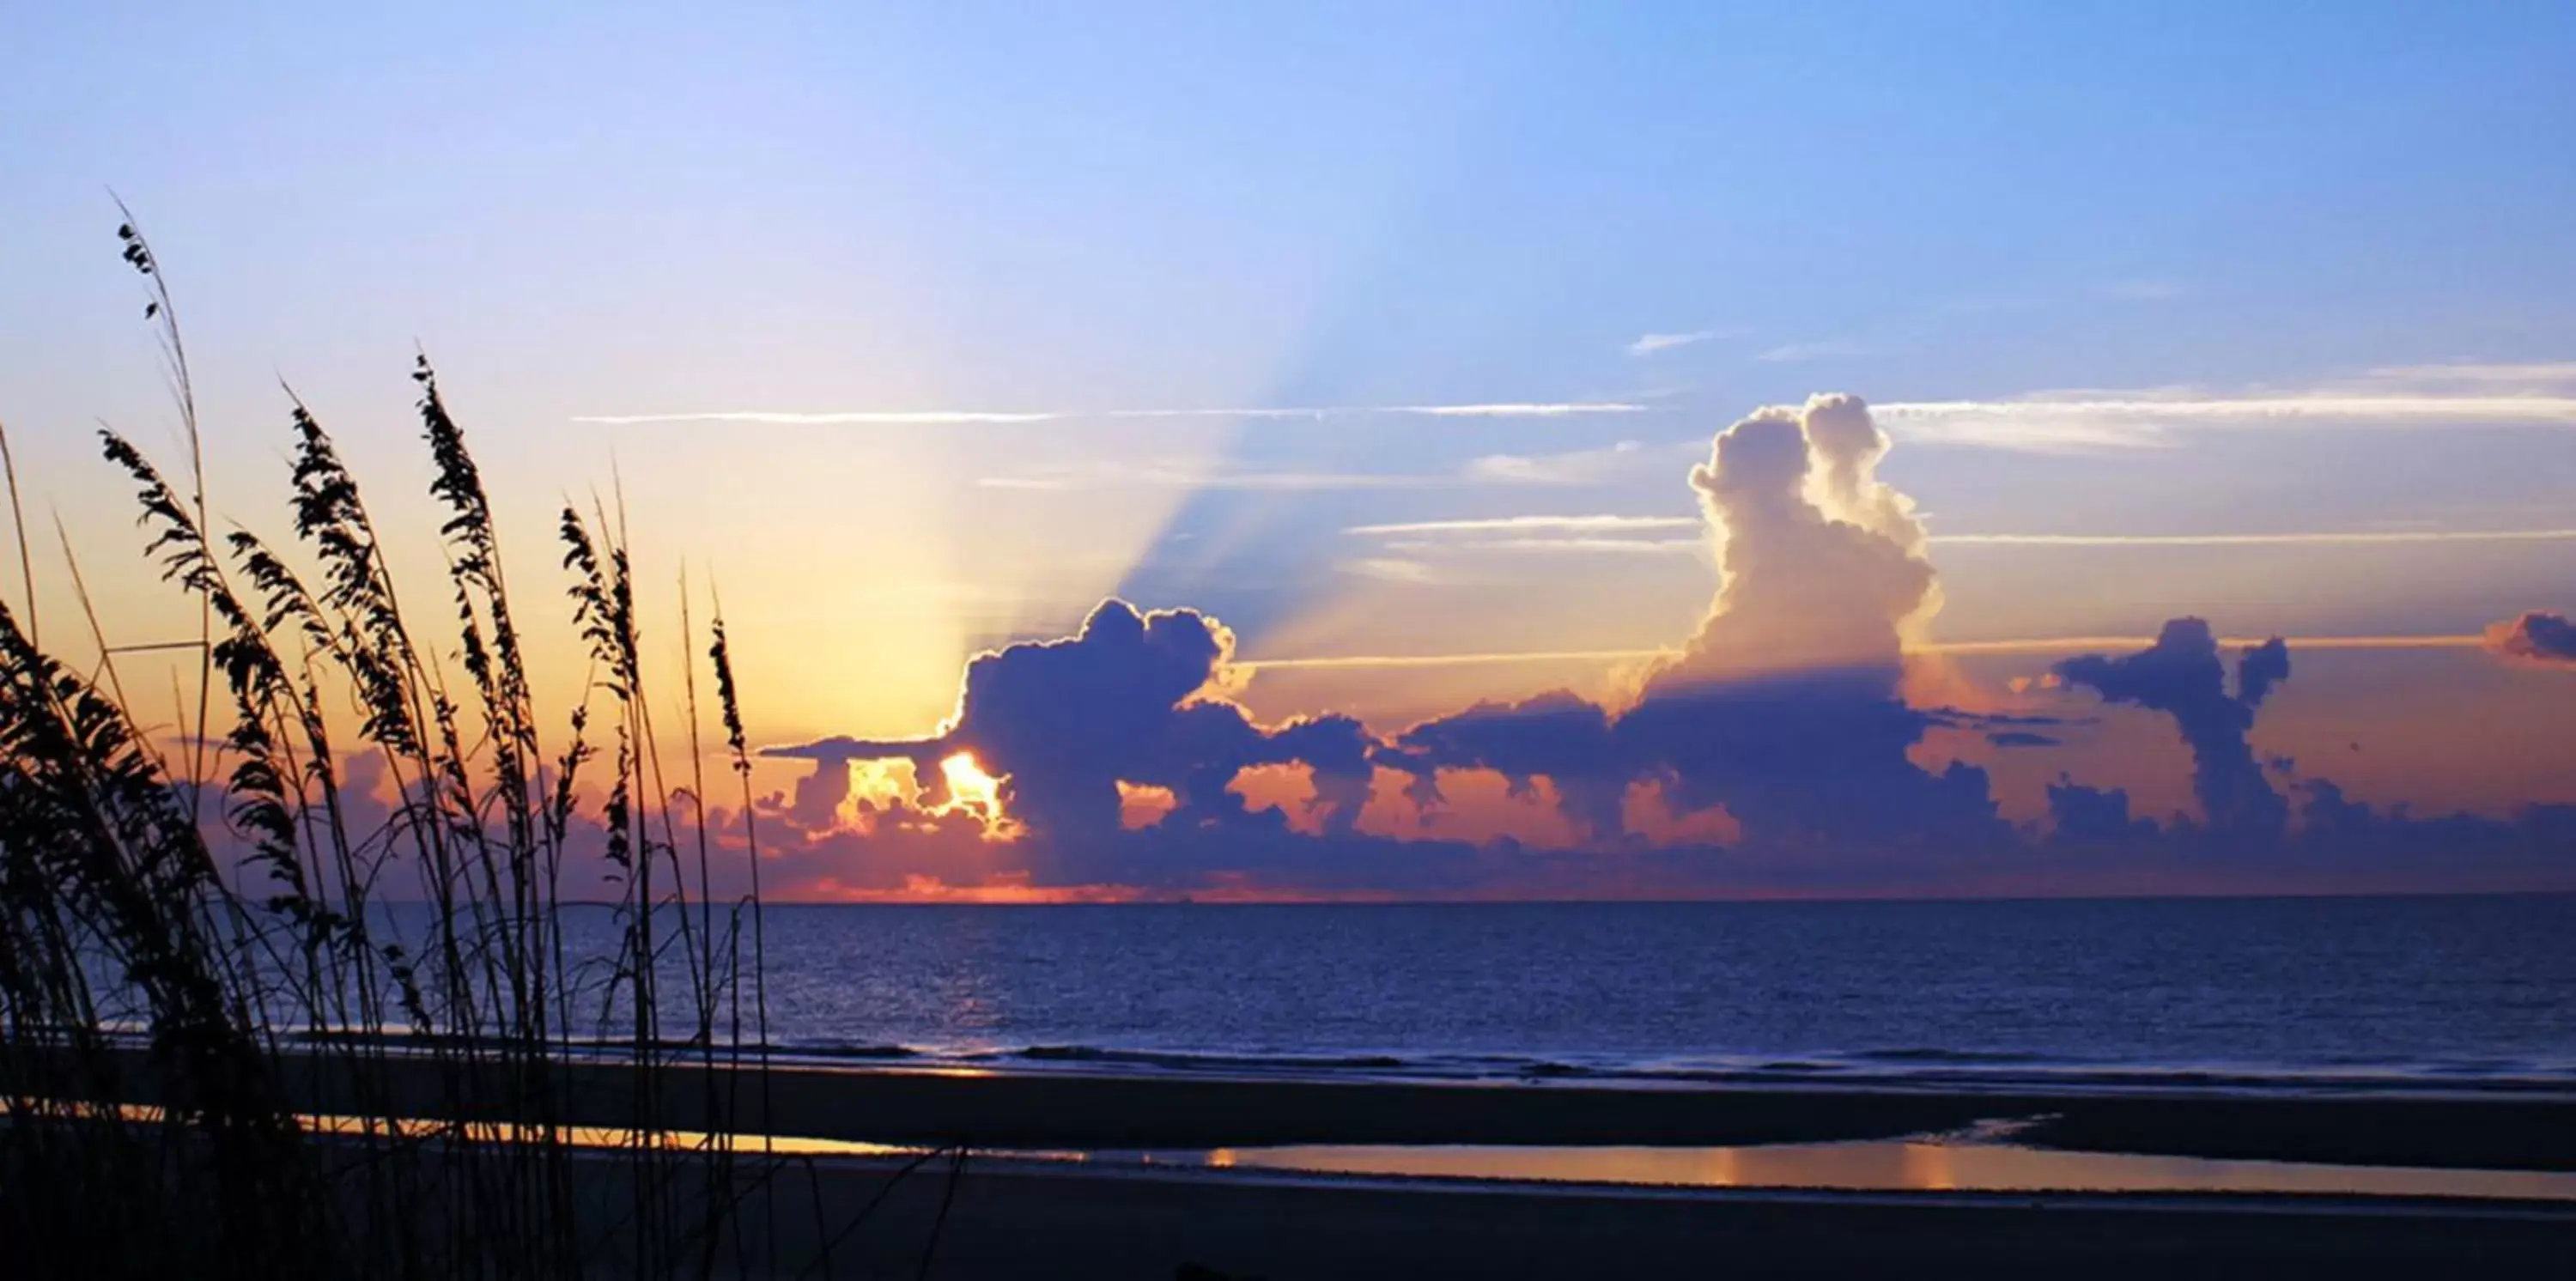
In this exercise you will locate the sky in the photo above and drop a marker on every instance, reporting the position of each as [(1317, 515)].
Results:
[(1383, 342)]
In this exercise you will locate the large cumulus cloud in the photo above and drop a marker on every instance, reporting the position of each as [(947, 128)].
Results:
[(1822, 562), (1784, 709), (1131, 699)]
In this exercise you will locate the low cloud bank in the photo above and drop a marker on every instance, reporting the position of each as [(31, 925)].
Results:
[(1784, 719)]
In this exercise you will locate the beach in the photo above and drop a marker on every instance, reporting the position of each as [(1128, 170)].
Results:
[(1083, 1174), (2479, 1129), (1018, 1221)]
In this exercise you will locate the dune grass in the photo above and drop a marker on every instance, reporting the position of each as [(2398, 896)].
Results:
[(212, 918)]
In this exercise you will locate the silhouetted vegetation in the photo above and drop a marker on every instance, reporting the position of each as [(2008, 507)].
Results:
[(264, 1018)]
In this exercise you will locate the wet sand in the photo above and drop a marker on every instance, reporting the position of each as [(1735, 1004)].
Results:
[(1071, 1218), (1016, 1220), (2501, 1130), (1064, 1220), (2510, 1131)]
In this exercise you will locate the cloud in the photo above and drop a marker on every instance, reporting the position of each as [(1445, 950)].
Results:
[(1532, 533), (1134, 698), (954, 417), (1393, 569), (1153, 474), (1783, 710), (1574, 467), (828, 418), (2057, 422), (1326, 661), (2529, 394), (1780, 728), (1799, 352), (1577, 467), (1528, 525), (1568, 740), (1511, 410), (2535, 637), (2005, 645), (1821, 561), (2527, 375), (2067, 644), (1649, 344), (2020, 738), (1556, 546), (2082, 815), (2328, 538), (2181, 675)]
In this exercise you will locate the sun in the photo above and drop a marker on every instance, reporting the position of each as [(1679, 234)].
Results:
[(973, 791)]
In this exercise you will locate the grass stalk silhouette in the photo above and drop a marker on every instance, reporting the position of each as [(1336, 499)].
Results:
[(227, 929)]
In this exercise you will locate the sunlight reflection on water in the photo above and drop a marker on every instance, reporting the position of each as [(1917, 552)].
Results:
[(1893, 1167)]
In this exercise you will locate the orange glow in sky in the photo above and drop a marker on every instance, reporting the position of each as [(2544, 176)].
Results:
[(972, 791)]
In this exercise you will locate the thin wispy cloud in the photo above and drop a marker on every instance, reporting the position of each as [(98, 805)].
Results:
[(2010, 645), (1793, 353), (950, 417), (2064, 423), (1649, 344), (1504, 410), (1391, 569), (1605, 533), (1575, 467), (2524, 374), (1155, 475), (2343, 538), (1327, 661), (859, 417), (1557, 546), (2070, 644), (1527, 524)]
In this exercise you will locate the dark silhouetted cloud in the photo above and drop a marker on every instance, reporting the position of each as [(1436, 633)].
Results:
[(2081, 815), (2181, 675), (1560, 736), (2020, 738), (2535, 637), (1130, 699)]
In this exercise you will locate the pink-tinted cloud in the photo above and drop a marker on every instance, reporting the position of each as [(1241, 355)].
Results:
[(2535, 637)]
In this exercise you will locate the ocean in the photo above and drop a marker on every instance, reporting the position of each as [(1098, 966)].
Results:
[(2452, 993)]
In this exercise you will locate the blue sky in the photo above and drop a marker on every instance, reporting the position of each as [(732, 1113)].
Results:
[(1159, 206), (1647, 219)]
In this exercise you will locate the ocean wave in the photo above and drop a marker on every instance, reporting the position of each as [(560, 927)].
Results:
[(831, 1050), (1890, 1067), (1188, 1062), (1999, 1071)]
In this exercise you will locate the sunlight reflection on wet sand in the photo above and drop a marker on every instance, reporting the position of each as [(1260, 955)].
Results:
[(1886, 1166), (1895, 1167)]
